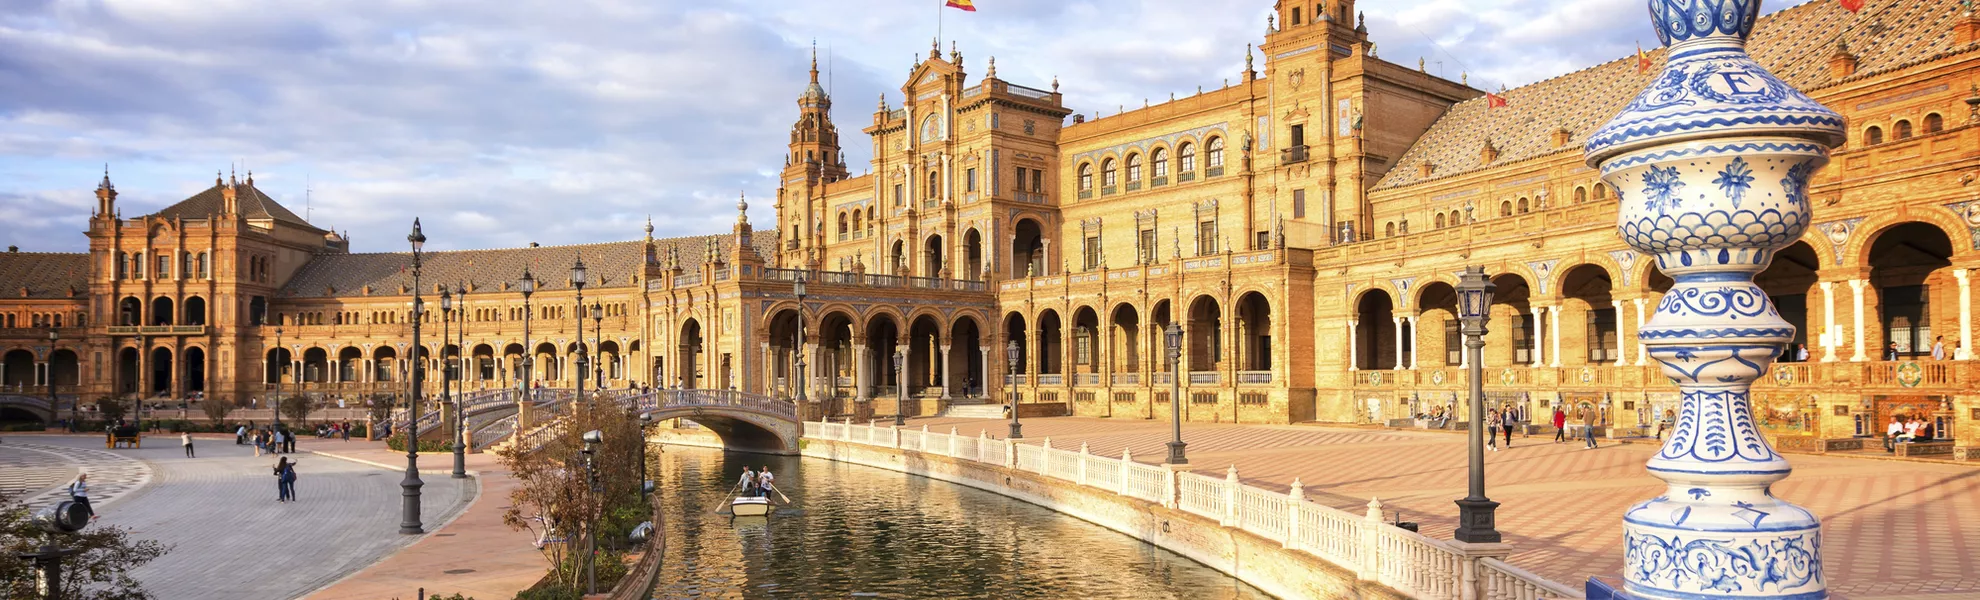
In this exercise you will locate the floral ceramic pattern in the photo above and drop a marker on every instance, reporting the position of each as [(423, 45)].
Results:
[(1661, 187), (1735, 180)]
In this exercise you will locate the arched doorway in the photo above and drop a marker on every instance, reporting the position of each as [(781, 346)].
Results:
[(966, 357), (898, 265), (161, 372), (276, 366), (1085, 344), (1204, 330), (1586, 297), (1159, 319), (484, 363), (1787, 282), (782, 335), (1375, 331), (384, 364), (350, 361), (1521, 327), (1015, 333), (1124, 344), (512, 359), (882, 335), (1254, 315), (195, 311), (65, 368), (316, 365), (1434, 341), (609, 360), (18, 369), (195, 374), (972, 256), (1027, 249), (1910, 266), (924, 356), (1051, 348), (931, 257), (549, 370), (837, 373), (130, 311), (690, 373)]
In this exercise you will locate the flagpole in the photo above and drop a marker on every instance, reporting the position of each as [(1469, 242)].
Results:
[(938, 23)]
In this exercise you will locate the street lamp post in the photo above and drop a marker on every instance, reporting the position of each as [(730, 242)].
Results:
[(54, 404), (1010, 375), (592, 439), (797, 289), (1475, 520), (1174, 336), (447, 395), (137, 415), (900, 386), (528, 286), (409, 505), (275, 403), (577, 281)]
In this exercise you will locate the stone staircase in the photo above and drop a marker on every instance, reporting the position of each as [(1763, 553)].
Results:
[(972, 409)]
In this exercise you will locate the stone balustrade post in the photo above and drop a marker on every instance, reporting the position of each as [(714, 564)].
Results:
[(1126, 487), (1083, 453), (952, 441), (1010, 454), (895, 432), (1172, 489), (1231, 498), (1370, 567), (1294, 498)]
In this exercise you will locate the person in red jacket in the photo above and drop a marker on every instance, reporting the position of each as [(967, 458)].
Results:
[(1560, 425)]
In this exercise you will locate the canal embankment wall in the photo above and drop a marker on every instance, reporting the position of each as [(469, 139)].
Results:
[(1277, 542)]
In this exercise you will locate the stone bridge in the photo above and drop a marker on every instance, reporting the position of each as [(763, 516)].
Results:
[(35, 406), (745, 421)]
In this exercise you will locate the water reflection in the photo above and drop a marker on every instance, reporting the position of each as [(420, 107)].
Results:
[(859, 532)]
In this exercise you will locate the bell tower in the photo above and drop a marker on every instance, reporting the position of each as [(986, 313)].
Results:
[(814, 161)]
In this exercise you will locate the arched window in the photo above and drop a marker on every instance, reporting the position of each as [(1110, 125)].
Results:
[(1134, 168), (1934, 123), (1160, 157), (1580, 194), (1186, 157), (1440, 220), (843, 225), (859, 220), (934, 188), (1601, 191), (1523, 206), (1901, 131), (1390, 229), (1505, 208), (870, 220), (1455, 219), (1873, 136), (1107, 174), (1086, 177), (1216, 151)]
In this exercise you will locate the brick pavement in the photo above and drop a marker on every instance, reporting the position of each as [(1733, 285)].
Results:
[(231, 539), (37, 472), (474, 555), (1891, 527)]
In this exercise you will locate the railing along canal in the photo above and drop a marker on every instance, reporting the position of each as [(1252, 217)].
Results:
[(1409, 562)]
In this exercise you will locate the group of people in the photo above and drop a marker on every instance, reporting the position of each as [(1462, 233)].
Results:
[(1588, 417), (331, 431), (1905, 430), (274, 440), (1939, 350), (1497, 421), (758, 483)]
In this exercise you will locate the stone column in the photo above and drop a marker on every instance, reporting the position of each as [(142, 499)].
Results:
[(1539, 337), (766, 371), (1354, 345), (1399, 342), (1828, 321), (1965, 350), (1693, 174), (1554, 332), (985, 352), (948, 373), (862, 375), (1622, 325), (1642, 354), (1856, 294)]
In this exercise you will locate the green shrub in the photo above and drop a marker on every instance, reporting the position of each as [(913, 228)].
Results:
[(398, 444), (22, 426)]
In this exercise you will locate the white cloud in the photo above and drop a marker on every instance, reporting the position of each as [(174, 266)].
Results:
[(569, 122)]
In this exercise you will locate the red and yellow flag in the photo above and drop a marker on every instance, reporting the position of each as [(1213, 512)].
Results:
[(1642, 60), (966, 5), (1494, 100), (1852, 5)]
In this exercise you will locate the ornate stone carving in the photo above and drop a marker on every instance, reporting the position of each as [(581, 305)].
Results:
[(1712, 163)]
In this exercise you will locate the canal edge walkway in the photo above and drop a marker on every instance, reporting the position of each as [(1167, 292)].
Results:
[(503, 560)]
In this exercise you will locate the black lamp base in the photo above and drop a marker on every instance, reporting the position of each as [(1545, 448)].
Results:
[(1476, 522)]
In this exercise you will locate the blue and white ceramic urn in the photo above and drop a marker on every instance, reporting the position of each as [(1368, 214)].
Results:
[(1712, 163)]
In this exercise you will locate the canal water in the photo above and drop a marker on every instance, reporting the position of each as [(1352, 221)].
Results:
[(861, 532)]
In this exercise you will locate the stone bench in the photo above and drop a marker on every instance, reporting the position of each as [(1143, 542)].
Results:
[(1808, 443), (1966, 453), (1938, 448)]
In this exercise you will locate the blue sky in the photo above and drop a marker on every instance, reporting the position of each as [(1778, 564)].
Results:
[(505, 123)]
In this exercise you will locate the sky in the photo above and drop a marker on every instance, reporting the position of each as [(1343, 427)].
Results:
[(574, 121)]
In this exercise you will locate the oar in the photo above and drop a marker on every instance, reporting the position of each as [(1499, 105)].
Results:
[(727, 501), (780, 494)]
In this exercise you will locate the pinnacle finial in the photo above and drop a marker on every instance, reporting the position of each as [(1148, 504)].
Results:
[(742, 206), (649, 227), (1055, 84), (935, 48), (992, 72), (105, 185), (814, 61), (883, 101)]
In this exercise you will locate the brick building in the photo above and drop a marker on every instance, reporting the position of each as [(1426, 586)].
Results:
[(1303, 222)]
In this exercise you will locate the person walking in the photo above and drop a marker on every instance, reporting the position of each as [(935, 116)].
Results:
[(185, 439), (1506, 422), (79, 493), (254, 437), (289, 437), (240, 435), (1588, 419), (1492, 430), (285, 480), (1560, 425)]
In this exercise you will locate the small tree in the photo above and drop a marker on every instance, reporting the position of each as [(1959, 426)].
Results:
[(112, 409), (552, 496), (101, 572), (298, 407), (216, 409), (381, 409)]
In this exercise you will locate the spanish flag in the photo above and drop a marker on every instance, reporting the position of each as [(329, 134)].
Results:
[(1849, 5), (1642, 60), (1494, 100), (966, 5)]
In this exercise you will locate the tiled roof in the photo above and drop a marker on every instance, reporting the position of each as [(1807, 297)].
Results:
[(253, 204), (608, 265), (44, 274), (1795, 44)]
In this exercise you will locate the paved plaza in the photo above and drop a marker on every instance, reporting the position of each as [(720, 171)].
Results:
[(229, 538), (1892, 529)]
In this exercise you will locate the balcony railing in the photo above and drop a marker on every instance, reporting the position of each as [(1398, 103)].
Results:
[(1127, 378), (1052, 379), (1204, 377), (1086, 379), (1254, 377), (157, 330), (1293, 155)]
